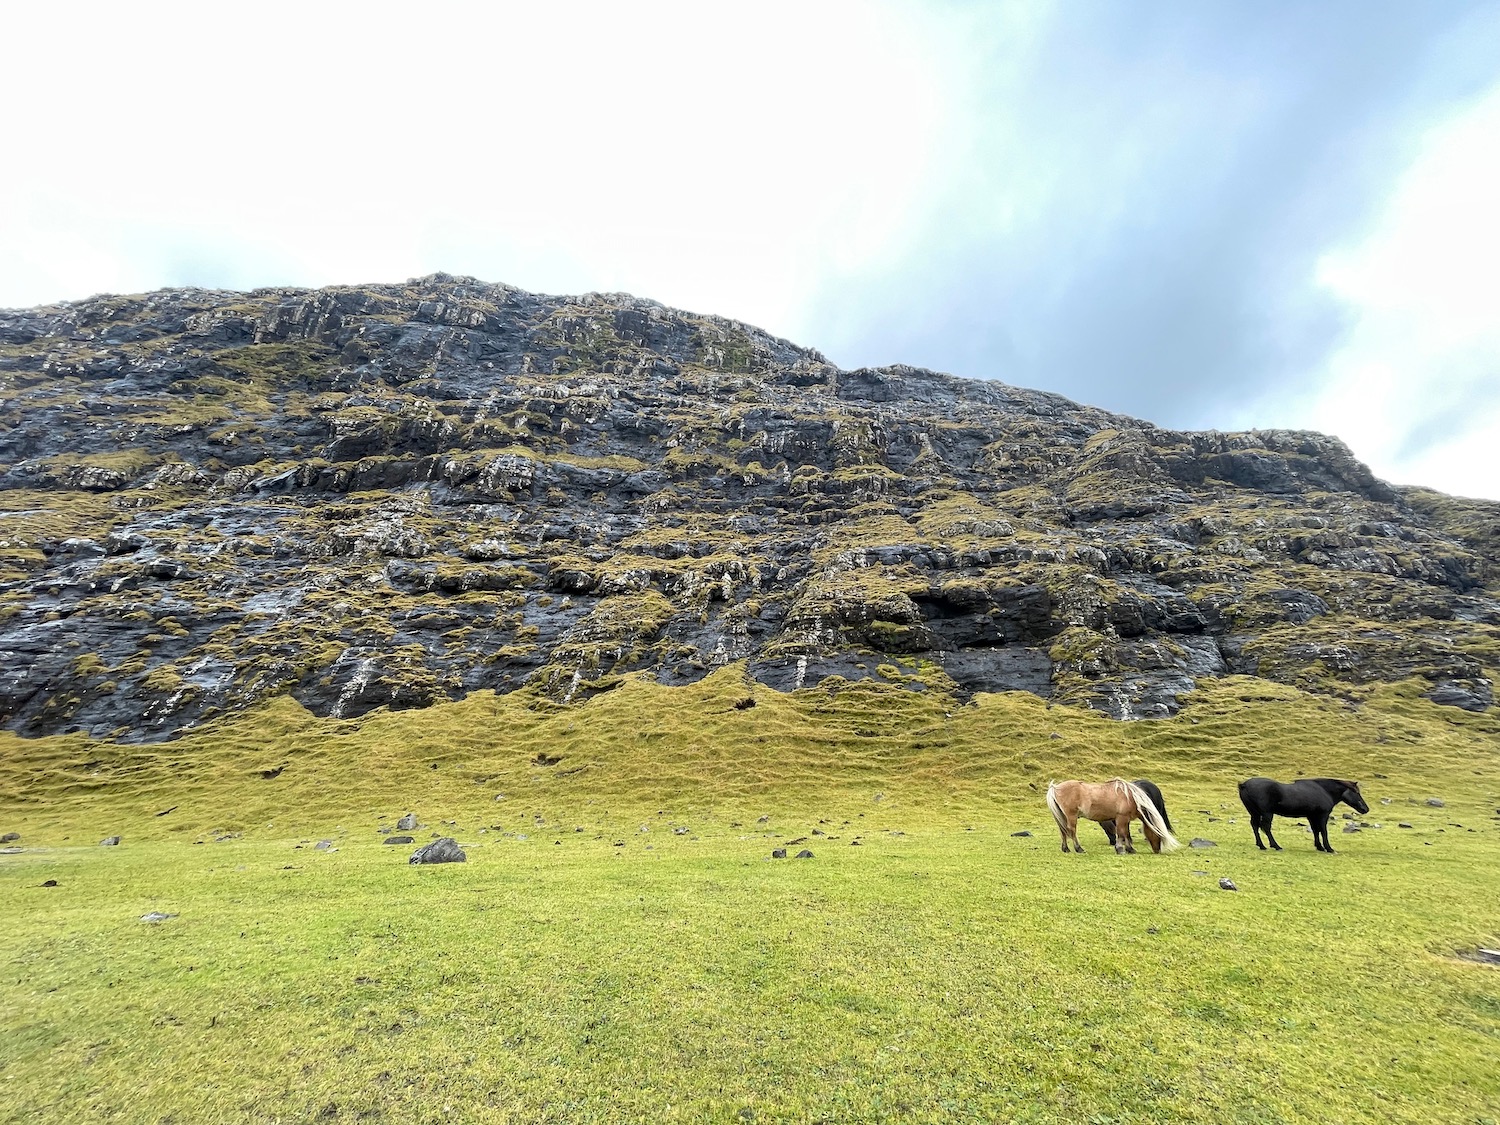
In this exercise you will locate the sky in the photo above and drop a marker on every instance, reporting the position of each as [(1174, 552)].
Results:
[(1208, 215)]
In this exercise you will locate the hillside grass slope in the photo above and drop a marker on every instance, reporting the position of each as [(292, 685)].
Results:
[(621, 947)]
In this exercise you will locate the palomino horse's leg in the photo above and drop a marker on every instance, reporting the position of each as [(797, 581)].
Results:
[(1073, 832), (1123, 843)]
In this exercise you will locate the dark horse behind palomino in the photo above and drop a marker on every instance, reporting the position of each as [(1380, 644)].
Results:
[(1117, 800), (1312, 797), (1149, 788)]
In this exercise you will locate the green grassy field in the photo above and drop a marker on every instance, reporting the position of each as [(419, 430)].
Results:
[(590, 962)]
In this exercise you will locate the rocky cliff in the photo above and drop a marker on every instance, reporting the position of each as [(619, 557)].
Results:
[(390, 495)]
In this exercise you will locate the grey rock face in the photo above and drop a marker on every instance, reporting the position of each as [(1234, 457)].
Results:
[(392, 495), (445, 850), (1470, 695)]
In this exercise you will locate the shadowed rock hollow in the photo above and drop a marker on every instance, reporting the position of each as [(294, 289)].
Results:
[(389, 495)]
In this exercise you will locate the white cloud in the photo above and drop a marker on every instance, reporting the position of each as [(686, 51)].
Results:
[(720, 157), (1415, 389)]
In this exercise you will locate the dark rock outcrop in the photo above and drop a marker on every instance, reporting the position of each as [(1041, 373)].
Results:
[(444, 850), (388, 496)]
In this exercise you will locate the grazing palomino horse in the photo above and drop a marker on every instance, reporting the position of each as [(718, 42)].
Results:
[(1117, 800), (1149, 788), (1312, 797)]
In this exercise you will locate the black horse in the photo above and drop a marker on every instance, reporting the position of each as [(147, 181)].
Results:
[(1161, 806), (1312, 797)]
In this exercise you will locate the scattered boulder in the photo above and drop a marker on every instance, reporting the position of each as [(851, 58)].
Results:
[(804, 854), (1436, 803), (50, 883), (445, 850), (1402, 824), (400, 840), (778, 853), (1023, 832), (407, 822), (1227, 885), (1200, 842), (109, 842), (124, 542), (1351, 828), (156, 916), (323, 846), (9, 837)]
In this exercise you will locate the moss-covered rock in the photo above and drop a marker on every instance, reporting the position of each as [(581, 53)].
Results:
[(383, 496)]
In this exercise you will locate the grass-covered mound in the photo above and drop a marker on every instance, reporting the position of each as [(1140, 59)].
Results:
[(620, 946)]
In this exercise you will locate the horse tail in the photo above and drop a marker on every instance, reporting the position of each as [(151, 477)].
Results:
[(1055, 808), (1160, 804), (1153, 819)]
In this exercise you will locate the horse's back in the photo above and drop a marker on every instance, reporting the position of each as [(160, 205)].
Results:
[(1287, 798), (1092, 800), (1254, 787)]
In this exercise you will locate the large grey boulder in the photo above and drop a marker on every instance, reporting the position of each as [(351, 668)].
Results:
[(407, 822), (445, 850)]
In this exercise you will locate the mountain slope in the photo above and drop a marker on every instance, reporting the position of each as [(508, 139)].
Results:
[(389, 495)]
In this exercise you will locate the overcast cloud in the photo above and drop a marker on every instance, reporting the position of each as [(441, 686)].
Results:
[(1207, 215)]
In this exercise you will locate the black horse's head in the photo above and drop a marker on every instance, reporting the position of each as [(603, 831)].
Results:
[(1353, 797)]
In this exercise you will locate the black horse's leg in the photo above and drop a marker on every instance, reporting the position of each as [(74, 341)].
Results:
[(1255, 827), (1320, 832), (1109, 830), (1267, 826)]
